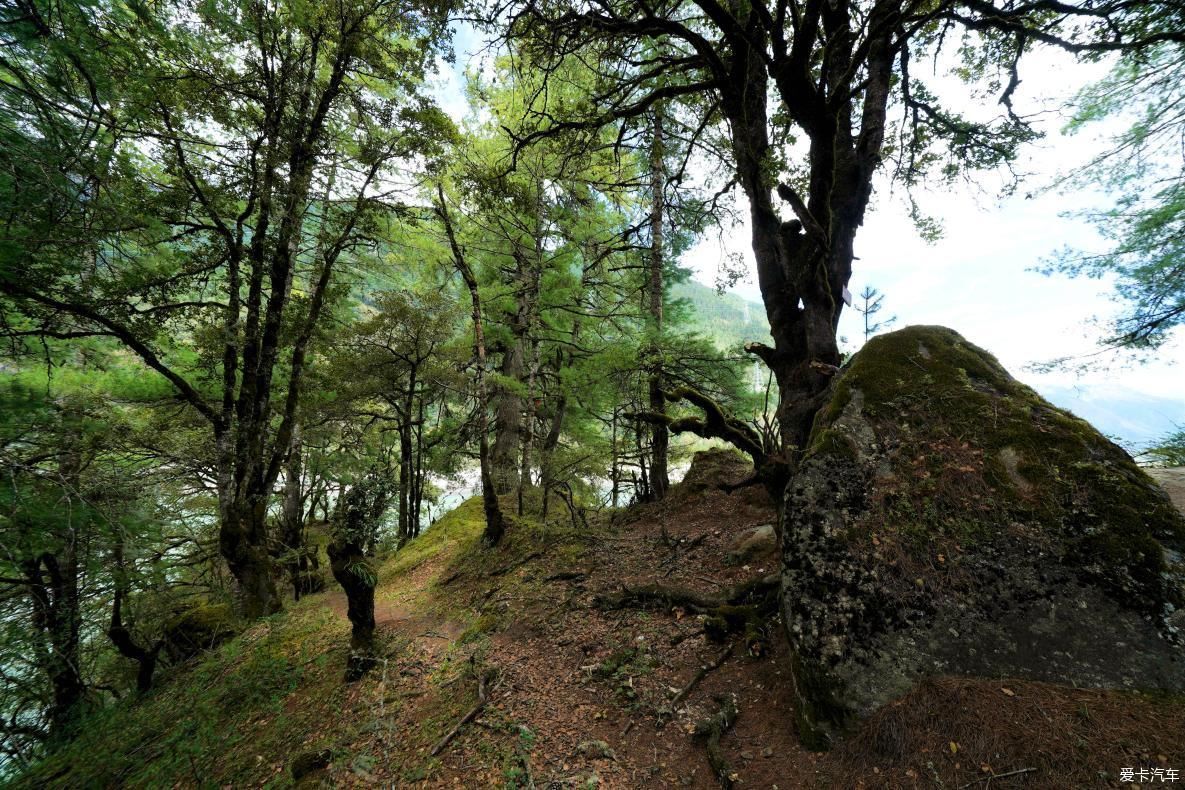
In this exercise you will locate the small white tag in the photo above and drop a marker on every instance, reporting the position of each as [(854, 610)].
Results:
[(847, 296)]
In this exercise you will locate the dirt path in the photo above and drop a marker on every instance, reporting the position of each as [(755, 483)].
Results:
[(1173, 482), (590, 683)]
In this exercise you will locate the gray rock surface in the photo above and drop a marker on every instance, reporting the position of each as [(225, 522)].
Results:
[(948, 520), (753, 543)]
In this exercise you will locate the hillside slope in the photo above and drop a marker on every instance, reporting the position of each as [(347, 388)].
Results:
[(580, 679)]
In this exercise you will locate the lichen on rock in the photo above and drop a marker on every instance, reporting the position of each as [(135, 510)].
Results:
[(945, 519)]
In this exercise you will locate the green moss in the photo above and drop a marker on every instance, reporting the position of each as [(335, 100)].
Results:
[(460, 527), (199, 628), (818, 717), (711, 467), (832, 441), (485, 624), (617, 662)]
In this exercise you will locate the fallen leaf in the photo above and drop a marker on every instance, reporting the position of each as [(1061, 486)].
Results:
[(1008, 692), (954, 748)]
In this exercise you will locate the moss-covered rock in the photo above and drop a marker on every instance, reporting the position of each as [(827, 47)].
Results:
[(200, 627), (946, 519), (711, 469)]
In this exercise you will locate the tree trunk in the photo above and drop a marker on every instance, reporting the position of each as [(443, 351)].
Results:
[(660, 435), (242, 540), (613, 460), (417, 498), (550, 442), (121, 636), (292, 517), (406, 460), (642, 491), (524, 477), (348, 563), (54, 594), (508, 417), (57, 613), (495, 522)]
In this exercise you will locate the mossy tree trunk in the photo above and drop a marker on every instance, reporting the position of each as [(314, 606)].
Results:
[(296, 555), (356, 577), (355, 522)]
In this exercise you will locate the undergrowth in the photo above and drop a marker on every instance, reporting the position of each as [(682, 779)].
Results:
[(238, 715)]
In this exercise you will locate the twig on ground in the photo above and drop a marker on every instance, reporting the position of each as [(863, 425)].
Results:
[(482, 697), (990, 777), (566, 576)]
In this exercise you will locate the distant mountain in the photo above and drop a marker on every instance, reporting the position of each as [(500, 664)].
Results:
[(1132, 418), (729, 320)]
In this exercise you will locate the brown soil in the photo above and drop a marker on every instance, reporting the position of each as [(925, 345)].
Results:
[(552, 697)]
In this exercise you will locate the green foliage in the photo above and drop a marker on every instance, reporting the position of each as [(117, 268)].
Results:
[(1168, 451), (1143, 169)]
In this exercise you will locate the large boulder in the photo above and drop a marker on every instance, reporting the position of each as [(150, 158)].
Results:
[(948, 520)]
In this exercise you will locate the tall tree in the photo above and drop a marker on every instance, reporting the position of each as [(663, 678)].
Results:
[(655, 292), (824, 72), (495, 522), (239, 156)]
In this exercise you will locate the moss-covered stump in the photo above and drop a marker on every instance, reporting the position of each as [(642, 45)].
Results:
[(948, 520)]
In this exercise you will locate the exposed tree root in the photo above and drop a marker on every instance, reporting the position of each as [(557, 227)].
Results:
[(657, 595), (700, 675), (711, 729)]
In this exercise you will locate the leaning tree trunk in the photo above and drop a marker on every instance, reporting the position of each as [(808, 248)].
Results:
[(121, 636)]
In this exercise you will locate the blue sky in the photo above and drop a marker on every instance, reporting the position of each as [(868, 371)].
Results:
[(979, 279)]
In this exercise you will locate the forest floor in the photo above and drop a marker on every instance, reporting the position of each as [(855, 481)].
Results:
[(580, 694)]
